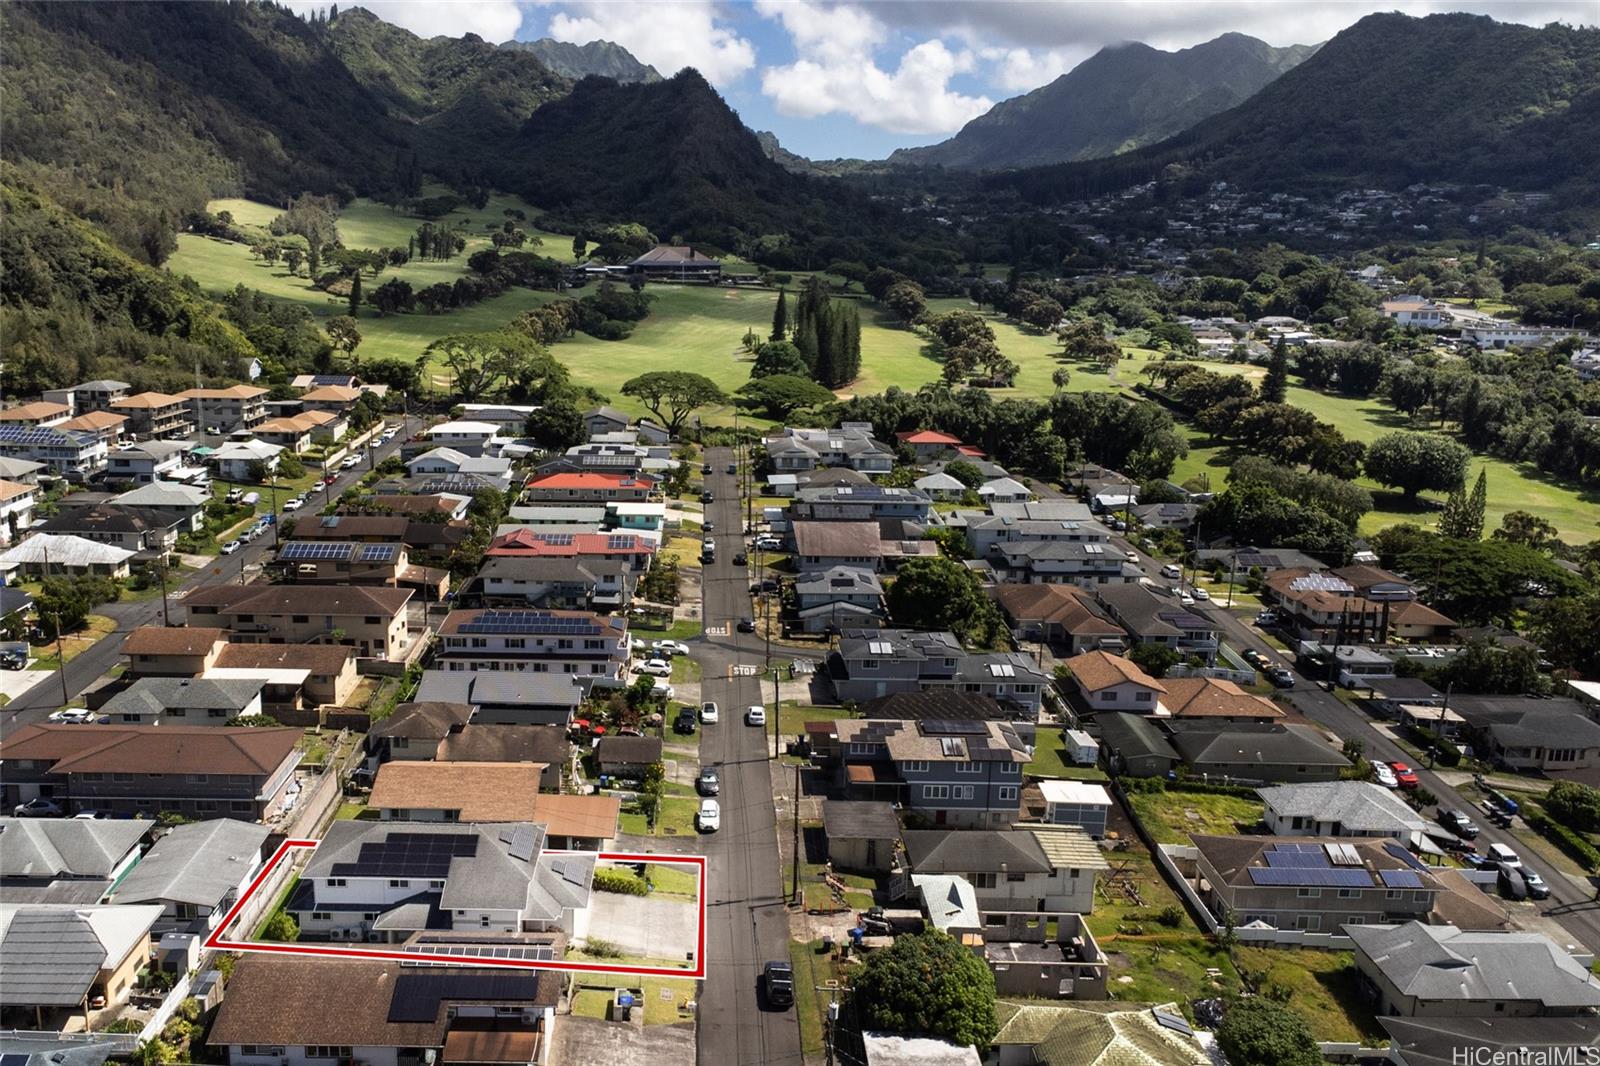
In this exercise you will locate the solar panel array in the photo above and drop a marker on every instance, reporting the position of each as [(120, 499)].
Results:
[(1400, 878), (514, 622), (409, 855), (954, 727), (36, 435), (418, 994), (310, 550), (1297, 856), (1398, 850), (533, 952), (378, 553), (556, 539), (1309, 877)]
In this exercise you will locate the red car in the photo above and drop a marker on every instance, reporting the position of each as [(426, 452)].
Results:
[(1404, 774)]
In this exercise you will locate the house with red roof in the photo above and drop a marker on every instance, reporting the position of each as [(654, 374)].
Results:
[(572, 487), (931, 444), (532, 543)]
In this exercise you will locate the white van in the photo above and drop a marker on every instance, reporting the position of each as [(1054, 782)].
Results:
[(1503, 854)]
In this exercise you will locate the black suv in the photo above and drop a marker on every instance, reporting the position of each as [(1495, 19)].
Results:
[(684, 723), (778, 978)]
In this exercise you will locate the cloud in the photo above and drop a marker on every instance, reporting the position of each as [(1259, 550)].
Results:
[(493, 20), (835, 71), (1021, 69), (668, 36)]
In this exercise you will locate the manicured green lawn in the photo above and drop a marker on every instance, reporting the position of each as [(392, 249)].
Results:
[(670, 879), (1050, 760), (1320, 986), (662, 995), (1171, 817)]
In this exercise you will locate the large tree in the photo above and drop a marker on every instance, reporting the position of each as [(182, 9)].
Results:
[(906, 300), (1086, 340), (497, 362), (1565, 629), (932, 592), (1263, 1032), (781, 395), (779, 357), (1412, 462), (1275, 386), (929, 985), (780, 317), (673, 395)]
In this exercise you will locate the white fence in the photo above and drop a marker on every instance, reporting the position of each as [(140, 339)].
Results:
[(169, 1006)]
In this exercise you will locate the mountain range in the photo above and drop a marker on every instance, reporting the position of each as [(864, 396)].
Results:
[(1122, 97), (600, 59)]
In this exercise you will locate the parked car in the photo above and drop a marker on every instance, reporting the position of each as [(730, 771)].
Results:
[(351, 461), (1537, 888), (1186, 599), (656, 668), (708, 783), (1268, 617), (685, 722), (294, 504), (755, 714), (1172, 571), (740, 558), (778, 980), (72, 716), (1511, 885), (1405, 775), (708, 497), (705, 468), (1504, 855), (709, 818), (234, 495), (1281, 677), (669, 647), (1200, 593), (708, 525), (230, 547), (766, 584), (1384, 776), (767, 542), (13, 660), (38, 807), (708, 712), (1459, 824), (747, 625)]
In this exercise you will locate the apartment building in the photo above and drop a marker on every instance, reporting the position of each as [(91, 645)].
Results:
[(155, 415), (580, 643), (370, 619), (66, 453)]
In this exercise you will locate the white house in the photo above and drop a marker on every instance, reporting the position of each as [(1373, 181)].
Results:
[(1080, 803), (466, 437), (1003, 490), (1109, 682), (17, 502), (235, 460)]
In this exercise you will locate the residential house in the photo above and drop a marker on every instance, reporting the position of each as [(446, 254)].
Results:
[(960, 773), (589, 488), (627, 757), (313, 562), (1082, 804), (861, 835), (154, 460), (449, 461), (552, 582), (676, 262), (51, 555), (1045, 869), (96, 395), (331, 399), (1149, 618), (455, 791), (36, 414), (306, 382), (1339, 809), (391, 1013), (1216, 699), (826, 600), (1059, 615), (387, 880), (414, 731), (880, 662), (228, 410), (507, 699), (987, 533), (510, 418), (469, 437), (942, 704), (155, 415), (199, 771), (1037, 1034), (1414, 970), (1354, 604), (68, 454), (370, 619), (1531, 735), (182, 507), (434, 541), (196, 873), (1242, 561), (859, 503), (928, 444), (1389, 695), (1354, 665), (17, 502), (62, 957), (1311, 884), (330, 669), (1417, 312), (65, 860), (1498, 334), (632, 549), (1086, 564), (22, 471), (598, 421), (242, 460), (1136, 746), (1166, 515), (1107, 682), (1441, 1041), (1004, 490), (577, 643), (173, 651), (197, 701), (293, 433), (827, 545), (851, 445), (939, 486), (1243, 751), (444, 732)]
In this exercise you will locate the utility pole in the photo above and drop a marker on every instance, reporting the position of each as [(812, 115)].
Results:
[(166, 610), (61, 647), (777, 715), (794, 888), (1233, 567), (1444, 709)]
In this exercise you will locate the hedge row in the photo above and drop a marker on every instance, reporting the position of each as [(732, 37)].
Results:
[(1568, 840), (628, 884)]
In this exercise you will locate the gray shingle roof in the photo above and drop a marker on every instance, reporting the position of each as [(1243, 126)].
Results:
[(941, 851), (198, 863), (1441, 962), (51, 954), (1356, 805), (157, 695), (66, 847)]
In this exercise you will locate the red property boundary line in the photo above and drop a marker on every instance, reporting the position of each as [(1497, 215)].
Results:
[(217, 940)]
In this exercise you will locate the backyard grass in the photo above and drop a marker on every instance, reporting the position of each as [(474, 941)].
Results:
[(674, 818), (1320, 986), (351, 809), (72, 645), (673, 880), (662, 995), (1171, 817), (1050, 759), (681, 629)]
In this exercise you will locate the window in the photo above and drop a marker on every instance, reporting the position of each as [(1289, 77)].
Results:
[(1355, 919), (435, 884), (300, 619), (1310, 922), (242, 806), (122, 779), (1392, 894), (483, 921), (869, 664), (1309, 893), (196, 779), (1006, 792), (984, 880), (1349, 893), (322, 916), (205, 805), (397, 882), (935, 792), (914, 766), (1015, 878), (968, 768), (326, 1051), (1108, 697), (516, 642), (1143, 697), (336, 882), (961, 792)]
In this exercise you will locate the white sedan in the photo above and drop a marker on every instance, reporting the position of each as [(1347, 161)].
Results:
[(708, 819), (755, 714), (670, 647), (1384, 775), (657, 668), (351, 461), (294, 504), (230, 547)]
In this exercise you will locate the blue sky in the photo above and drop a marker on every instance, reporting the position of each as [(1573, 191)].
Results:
[(863, 78)]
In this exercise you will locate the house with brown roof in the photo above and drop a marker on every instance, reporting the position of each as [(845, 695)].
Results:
[(1060, 615), (370, 619), (676, 262), (825, 545), (1109, 682), (1358, 604), (277, 1010), (332, 399), (38, 413), (173, 651), (226, 410), (455, 791), (627, 757), (298, 432), (199, 771), (330, 669), (1222, 700), (155, 415)]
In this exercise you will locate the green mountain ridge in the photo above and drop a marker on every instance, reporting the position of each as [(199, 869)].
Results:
[(600, 59), (1122, 97)]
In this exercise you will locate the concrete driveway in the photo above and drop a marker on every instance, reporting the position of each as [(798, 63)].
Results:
[(656, 928), (590, 1040)]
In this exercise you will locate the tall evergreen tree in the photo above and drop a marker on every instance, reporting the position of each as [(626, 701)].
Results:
[(780, 317), (1275, 386), (1463, 514), (355, 294), (805, 339), (314, 257)]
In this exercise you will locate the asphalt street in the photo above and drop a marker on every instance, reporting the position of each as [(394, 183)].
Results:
[(36, 704), (747, 916)]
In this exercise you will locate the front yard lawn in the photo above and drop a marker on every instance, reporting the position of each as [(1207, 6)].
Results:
[(1171, 817)]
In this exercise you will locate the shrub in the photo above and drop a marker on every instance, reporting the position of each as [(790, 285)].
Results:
[(1171, 916), (1568, 840), (621, 881), (601, 949), (1575, 805)]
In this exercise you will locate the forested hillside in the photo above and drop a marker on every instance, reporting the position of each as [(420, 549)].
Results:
[(601, 59)]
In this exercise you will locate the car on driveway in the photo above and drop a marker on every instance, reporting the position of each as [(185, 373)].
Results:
[(685, 722), (1200, 593), (708, 819), (13, 660), (777, 978), (1459, 824), (708, 783), (669, 647), (656, 668), (755, 714), (1405, 775), (1267, 618), (1384, 776), (38, 807), (230, 547), (708, 712), (768, 543)]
